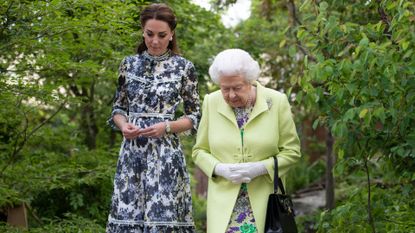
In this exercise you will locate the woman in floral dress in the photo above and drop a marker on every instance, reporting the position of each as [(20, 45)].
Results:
[(151, 185)]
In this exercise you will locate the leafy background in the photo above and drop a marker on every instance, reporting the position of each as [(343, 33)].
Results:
[(347, 66)]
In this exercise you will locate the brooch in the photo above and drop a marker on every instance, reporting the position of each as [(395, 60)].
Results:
[(269, 103)]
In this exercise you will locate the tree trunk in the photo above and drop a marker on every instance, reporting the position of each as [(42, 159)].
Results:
[(369, 205), (88, 121), (89, 127)]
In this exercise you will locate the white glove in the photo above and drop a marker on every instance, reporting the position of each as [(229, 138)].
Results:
[(227, 171), (240, 172), (245, 172)]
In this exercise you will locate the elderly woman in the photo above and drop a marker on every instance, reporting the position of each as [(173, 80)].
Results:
[(243, 126)]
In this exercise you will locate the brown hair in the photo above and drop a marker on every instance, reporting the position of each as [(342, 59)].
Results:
[(159, 11)]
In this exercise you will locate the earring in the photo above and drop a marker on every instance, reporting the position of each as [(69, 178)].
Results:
[(171, 38)]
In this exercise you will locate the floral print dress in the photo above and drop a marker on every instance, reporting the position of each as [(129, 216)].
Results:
[(151, 184), (242, 218)]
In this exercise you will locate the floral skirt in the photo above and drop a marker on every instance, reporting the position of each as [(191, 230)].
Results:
[(242, 219), (151, 188)]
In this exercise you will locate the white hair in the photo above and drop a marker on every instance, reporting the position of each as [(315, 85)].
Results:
[(231, 62)]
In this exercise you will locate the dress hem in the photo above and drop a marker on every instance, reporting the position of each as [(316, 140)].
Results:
[(155, 223)]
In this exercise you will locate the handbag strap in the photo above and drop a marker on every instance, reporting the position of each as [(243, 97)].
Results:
[(277, 179)]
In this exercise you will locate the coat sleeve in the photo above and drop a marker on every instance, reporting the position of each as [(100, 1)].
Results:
[(201, 150), (289, 143)]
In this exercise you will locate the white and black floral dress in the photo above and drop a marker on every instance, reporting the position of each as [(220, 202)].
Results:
[(151, 185)]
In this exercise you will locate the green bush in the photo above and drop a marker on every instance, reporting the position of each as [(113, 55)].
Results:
[(70, 224), (54, 185), (393, 209), (392, 202), (199, 213), (304, 173)]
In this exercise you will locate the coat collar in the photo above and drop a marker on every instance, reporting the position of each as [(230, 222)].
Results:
[(260, 106)]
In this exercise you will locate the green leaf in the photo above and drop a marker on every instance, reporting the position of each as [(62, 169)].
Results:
[(380, 113), (364, 42), (351, 87), (282, 43), (408, 54), (292, 51), (305, 4), (340, 154), (363, 113), (324, 6), (339, 129), (299, 97), (405, 44), (349, 115)]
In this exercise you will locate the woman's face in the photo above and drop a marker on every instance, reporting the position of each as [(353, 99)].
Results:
[(235, 90), (157, 36)]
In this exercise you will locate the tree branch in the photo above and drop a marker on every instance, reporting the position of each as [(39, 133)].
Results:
[(27, 136), (45, 34), (295, 22), (292, 8), (385, 19)]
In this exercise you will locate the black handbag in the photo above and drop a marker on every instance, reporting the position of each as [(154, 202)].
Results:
[(280, 212)]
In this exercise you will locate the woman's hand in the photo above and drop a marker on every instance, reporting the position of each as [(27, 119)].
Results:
[(155, 131), (130, 131), (230, 172), (245, 172), (239, 173)]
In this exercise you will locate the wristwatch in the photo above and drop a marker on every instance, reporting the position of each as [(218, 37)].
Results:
[(168, 128)]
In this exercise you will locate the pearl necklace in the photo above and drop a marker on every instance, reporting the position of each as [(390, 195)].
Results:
[(249, 104), (247, 109)]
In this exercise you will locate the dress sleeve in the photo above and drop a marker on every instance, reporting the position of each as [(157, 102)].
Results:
[(190, 95), (120, 103)]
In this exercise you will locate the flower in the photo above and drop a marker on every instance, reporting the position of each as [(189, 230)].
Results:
[(248, 228), (241, 217)]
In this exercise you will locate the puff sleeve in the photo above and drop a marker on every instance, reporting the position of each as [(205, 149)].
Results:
[(120, 100), (190, 95)]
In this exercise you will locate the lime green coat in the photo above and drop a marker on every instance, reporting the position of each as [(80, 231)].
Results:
[(269, 132)]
